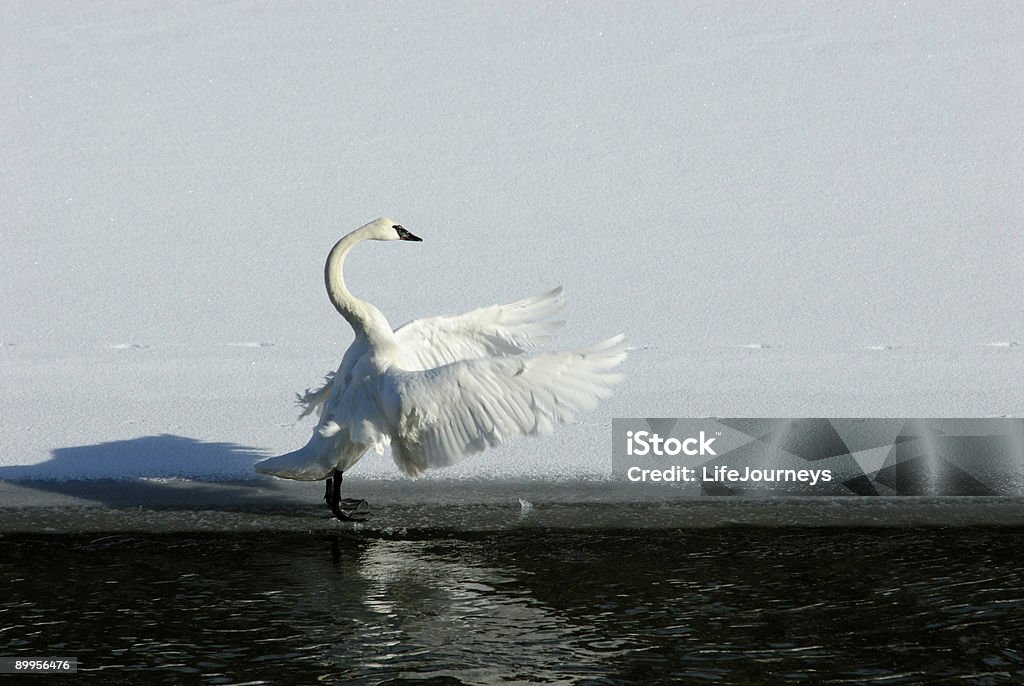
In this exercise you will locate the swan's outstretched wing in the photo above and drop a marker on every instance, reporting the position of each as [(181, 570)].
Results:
[(507, 329), (448, 413), (485, 332)]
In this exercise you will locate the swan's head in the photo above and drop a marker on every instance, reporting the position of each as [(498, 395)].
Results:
[(385, 229)]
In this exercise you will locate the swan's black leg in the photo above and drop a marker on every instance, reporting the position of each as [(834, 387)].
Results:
[(348, 509), (330, 490)]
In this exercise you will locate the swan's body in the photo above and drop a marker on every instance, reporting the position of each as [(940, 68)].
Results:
[(440, 389)]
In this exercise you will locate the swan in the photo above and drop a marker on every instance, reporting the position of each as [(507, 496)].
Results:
[(439, 389)]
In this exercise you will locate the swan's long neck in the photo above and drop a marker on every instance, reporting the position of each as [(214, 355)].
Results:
[(365, 319)]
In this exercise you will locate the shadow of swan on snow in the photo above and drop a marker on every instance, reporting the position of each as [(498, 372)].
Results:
[(153, 471)]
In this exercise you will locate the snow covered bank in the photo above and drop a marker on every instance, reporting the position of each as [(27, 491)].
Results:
[(166, 412), (798, 209)]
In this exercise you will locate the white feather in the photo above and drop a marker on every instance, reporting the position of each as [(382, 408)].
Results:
[(440, 389)]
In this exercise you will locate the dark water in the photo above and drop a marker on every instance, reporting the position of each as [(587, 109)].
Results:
[(736, 605)]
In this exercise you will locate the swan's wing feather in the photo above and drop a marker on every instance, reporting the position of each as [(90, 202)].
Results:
[(313, 400), (448, 413), (508, 329)]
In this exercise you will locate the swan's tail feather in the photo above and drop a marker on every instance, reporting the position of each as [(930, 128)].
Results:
[(302, 464), (317, 459)]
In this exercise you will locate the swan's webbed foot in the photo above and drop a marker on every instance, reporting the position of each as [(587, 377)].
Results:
[(345, 509), (345, 514)]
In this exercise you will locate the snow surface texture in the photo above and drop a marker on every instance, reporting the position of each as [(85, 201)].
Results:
[(802, 209)]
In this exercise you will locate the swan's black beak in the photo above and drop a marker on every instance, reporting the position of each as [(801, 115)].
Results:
[(404, 235)]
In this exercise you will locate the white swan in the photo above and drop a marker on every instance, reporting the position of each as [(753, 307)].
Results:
[(440, 389)]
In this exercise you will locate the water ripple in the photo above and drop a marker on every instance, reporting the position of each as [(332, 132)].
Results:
[(533, 606)]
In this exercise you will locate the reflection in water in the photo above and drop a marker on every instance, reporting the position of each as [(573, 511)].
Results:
[(473, 622), (738, 605)]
